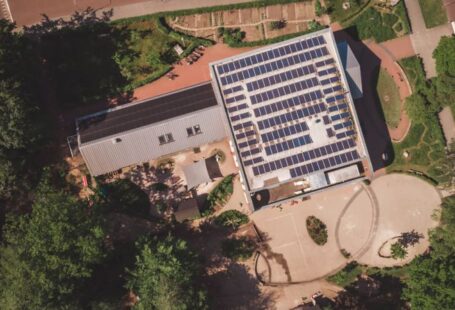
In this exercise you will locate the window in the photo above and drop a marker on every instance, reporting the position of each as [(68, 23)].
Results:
[(162, 139), (195, 130), (167, 138)]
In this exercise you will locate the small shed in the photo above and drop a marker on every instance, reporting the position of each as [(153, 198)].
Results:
[(187, 210), (203, 171)]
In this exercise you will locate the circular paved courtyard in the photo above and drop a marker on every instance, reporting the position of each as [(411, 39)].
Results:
[(359, 219)]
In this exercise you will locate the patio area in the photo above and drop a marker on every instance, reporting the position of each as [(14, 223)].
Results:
[(164, 179)]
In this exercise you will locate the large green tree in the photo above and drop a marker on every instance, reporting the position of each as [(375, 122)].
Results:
[(431, 280), (444, 55), (49, 254), (165, 276), (431, 283)]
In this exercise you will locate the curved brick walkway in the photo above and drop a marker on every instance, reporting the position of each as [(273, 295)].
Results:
[(391, 66)]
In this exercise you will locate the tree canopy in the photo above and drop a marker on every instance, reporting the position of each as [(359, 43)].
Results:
[(165, 276), (48, 254), (431, 282), (444, 55)]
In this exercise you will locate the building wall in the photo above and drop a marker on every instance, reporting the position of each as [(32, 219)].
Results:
[(141, 145)]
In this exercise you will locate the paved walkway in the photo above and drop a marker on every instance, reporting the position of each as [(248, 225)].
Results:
[(359, 219), (26, 12), (425, 40), (406, 203)]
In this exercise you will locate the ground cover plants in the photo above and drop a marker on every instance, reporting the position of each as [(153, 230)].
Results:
[(433, 12), (389, 97), (317, 230), (231, 219), (241, 248), (219, 195)]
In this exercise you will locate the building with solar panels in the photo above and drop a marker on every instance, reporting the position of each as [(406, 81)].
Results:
[(289, 111)]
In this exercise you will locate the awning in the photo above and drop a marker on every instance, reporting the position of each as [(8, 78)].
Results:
[(196, 173)]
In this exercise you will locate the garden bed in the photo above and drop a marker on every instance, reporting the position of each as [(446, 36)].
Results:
[(317, 230)]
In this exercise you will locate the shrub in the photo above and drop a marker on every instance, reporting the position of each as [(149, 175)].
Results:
[(317, 230), (398, 250), (238, 248), (277, 24), (347, 275), (219, 195), (345, 253), (232, 219)]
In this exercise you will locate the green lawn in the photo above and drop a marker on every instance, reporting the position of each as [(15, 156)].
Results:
[(390, 98), (425, 142), (433, 12), (337, 13)]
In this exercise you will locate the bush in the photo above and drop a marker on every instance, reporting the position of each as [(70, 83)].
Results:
[(277, 24), (317, 230), (232, 219), (313, 26), (345, 253), (238, 248), (347, 275), (219, 195), (398, 250)]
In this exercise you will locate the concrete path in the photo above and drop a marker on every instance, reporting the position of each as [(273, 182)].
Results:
[(26, 12), (405, 203), (425, 40), (359, 219)]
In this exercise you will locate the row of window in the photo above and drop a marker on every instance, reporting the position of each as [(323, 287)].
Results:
[(191, 131)]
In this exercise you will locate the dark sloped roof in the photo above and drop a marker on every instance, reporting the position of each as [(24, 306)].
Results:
[(153, 110)]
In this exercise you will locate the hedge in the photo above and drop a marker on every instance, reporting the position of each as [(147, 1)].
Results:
[(276, 39)]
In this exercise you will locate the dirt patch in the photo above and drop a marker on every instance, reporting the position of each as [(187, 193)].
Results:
[(304, 10), (255, 22), (231, 17), (275, 12)]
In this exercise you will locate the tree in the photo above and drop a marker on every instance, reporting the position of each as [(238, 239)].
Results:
[(417, 107), (444, 55), (232, 219), (9, 180), (165, 276), (398, 250), (18, 130), (431, 283), (49, 253), (431, 278), (443, 237)]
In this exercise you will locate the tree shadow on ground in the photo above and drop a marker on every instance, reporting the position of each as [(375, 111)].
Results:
[(79, 57), (375, 292), (369, 110), (230, 284)]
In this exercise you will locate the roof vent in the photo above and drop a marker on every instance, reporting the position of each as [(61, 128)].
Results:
[(116, 140)]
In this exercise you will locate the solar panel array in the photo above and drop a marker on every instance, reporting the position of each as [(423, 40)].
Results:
[(275, 97)]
